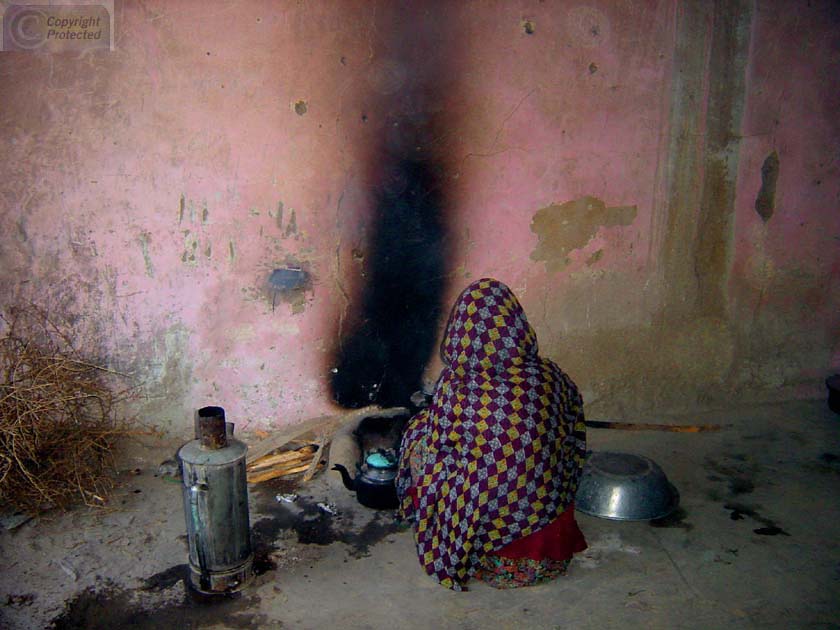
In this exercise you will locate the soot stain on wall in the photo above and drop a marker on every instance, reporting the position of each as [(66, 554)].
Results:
[(384, 358), (395, 310)]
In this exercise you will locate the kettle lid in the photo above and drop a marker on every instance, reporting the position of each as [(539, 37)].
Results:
[(379, 460)]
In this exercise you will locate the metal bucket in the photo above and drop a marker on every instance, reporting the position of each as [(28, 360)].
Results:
[(215, 497)]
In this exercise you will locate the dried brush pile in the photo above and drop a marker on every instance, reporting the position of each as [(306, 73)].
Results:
[(58, 419)]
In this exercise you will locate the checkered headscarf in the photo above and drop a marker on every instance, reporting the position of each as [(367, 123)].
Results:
[(504, 437)]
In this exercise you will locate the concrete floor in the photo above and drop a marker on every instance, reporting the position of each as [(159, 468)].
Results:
[(755, 545)]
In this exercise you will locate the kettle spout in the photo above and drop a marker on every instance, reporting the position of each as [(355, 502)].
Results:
[(349, 482)]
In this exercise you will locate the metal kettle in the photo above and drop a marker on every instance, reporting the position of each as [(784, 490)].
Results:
[(375, 483)]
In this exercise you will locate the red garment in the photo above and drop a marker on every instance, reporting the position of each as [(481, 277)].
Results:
[(559, 540), (556, 541)]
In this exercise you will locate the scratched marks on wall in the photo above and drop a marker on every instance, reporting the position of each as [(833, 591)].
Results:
[(193, 217)]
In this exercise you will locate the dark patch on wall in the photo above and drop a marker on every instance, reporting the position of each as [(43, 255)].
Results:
[(765, 202), (289, 284), (383, 359), (288, 278), (398, 273)]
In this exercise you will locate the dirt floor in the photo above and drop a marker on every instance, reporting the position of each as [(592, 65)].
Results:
[(755, 544)]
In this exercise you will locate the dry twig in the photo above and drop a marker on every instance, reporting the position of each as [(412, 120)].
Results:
[(57, 416)]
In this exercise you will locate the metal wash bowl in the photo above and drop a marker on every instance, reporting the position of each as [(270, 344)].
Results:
[(625, 487)]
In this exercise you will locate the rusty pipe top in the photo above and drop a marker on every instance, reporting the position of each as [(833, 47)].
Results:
[(211, 429)]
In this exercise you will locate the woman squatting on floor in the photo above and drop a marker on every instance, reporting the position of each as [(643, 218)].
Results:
[(488, 471)]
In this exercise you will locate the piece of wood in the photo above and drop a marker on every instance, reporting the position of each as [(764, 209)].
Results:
[(648, 426), (274, 473), (300, 441), (270, 461), (277, 458), (316, 459), (278, 471), (324, 424)]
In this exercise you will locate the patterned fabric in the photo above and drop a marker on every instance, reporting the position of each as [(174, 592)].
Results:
[(500, 572), (504, 439)]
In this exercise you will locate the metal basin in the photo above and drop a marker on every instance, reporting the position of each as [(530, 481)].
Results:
[(625, 487)]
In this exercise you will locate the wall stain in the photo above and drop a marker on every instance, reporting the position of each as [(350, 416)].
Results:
[(280, 215), (563, 228), (190, 248), (231, 251), (20, 224), (181, 207), (405, 267), (291, 227), (725, 102), (765, 202), (145, 239), (289, 283), (164, 372)]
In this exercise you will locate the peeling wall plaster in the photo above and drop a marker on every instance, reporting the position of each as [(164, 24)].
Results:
[(564, 228)]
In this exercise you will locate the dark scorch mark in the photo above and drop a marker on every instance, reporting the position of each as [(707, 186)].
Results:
[(383, 359)]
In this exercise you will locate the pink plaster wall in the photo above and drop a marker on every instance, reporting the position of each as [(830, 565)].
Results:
[(578, 108), (786, 270), (142, 187)]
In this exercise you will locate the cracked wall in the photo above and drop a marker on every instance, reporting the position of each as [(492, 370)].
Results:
[(607, 160)]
